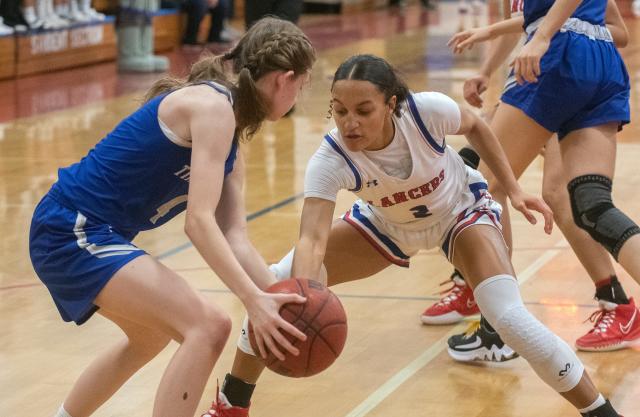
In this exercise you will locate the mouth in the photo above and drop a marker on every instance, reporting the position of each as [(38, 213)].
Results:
[(353, 136)]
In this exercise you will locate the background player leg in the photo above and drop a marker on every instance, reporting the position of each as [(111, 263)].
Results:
[(348, 257), (592, 255), (172, 307), (481, 255)]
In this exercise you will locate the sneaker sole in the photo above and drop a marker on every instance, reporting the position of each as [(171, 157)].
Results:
[(484, 355), (452, 317), (610, 348)]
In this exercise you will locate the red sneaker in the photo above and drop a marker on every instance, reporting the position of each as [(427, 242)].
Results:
[(222, 408), (456, 304), (616, 326)]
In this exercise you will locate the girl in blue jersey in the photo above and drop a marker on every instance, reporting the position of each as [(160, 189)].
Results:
[(570, 80), (177, 152)]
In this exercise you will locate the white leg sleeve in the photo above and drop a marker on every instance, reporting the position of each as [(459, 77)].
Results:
[(282, 271), (550, 357), (62, 412)]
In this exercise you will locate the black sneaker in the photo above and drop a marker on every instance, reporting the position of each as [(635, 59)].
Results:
[(479, 343)]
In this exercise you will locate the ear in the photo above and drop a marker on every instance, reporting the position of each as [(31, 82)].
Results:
[(393, 101), (284, 78)]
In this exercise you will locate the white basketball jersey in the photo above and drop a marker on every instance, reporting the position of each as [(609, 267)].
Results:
[(431, 191)]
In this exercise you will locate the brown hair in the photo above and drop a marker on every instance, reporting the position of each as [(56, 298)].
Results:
[(269, 45)]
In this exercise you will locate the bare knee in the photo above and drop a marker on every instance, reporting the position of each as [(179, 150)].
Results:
[(211, 328)]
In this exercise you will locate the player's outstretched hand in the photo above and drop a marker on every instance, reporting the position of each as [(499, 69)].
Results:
[(265, 318), (473, 87), (525, 203), (526, 65), (467, 38)]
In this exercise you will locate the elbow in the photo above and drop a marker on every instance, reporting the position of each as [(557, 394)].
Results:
[(193, 225), (623, 40)]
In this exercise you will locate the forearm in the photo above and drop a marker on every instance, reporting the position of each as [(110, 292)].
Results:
[(513, 25), (555, 18), (253, 263), (488, 147), (308, 258), (210, 242), (499, 51)]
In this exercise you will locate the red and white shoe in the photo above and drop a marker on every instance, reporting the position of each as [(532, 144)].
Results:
[(456, 304), (223, 408), (616, 326)]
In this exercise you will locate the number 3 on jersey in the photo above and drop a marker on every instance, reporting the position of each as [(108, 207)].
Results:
[(420, 212)]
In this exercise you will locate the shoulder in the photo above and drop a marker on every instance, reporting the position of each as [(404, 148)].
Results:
[(197, 104), (433, 101)]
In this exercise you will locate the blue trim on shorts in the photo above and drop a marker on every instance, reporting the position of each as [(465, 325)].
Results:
[(351, 165), (476, 187), (383, 238)]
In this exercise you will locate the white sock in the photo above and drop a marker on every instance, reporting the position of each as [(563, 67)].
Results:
[(62, 412), (597, 403)]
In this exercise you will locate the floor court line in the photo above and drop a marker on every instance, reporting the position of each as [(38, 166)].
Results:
[(393, 383), (249, 217)]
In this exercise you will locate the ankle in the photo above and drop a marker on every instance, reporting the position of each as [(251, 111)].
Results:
[(237, 391)]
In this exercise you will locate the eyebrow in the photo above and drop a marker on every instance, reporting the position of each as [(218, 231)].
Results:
[(359, 104)]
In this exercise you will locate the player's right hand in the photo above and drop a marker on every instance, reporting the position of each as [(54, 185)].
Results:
[(472, 89), (264, 315), (467, 38)]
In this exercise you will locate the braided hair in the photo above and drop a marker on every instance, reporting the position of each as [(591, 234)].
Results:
[(271, 44)]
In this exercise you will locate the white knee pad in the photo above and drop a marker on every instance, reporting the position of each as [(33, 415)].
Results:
[(243, 341), (282, 271), (550, 357)]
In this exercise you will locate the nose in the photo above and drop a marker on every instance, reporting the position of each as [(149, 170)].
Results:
[(351, 123)]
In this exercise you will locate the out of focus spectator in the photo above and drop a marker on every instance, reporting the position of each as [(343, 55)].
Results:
[(254, 10), (196, 11)]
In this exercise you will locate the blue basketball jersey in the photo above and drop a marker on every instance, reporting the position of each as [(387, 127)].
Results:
[(135, 178), (592, 11)]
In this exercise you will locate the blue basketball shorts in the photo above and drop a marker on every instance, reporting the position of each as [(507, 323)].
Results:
[(75, 257), (583, 83)]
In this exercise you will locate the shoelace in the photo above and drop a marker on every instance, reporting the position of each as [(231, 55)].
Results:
[(602, 320), (472, 329), (216, 405), (452, 292)]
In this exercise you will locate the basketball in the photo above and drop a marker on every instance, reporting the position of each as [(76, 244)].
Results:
[(322, 318)]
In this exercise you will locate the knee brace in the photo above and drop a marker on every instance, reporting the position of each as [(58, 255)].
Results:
[(594, 212), (282, 271), (550, 357)]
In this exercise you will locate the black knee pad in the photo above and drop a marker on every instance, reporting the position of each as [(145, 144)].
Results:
[(594, 212), (470, 157)]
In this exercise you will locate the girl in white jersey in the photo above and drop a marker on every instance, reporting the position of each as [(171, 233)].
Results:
[(414, 193)]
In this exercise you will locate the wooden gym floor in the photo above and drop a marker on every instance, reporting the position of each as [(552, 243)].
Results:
[(392, 365)]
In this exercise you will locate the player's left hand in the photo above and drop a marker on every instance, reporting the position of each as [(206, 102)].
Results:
[(526, 65), (525, 203), (467, 38)]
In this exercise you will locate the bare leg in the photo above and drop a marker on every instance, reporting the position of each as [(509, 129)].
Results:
[(593, 151), (168, 306), (522, 139), (592, 255), (480, 253), (107, 373)]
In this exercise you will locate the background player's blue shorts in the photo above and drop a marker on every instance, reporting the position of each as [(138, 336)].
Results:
[(75, 257), (583, 83)]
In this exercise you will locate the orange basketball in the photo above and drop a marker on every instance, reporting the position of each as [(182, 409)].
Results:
[(322, 318)]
